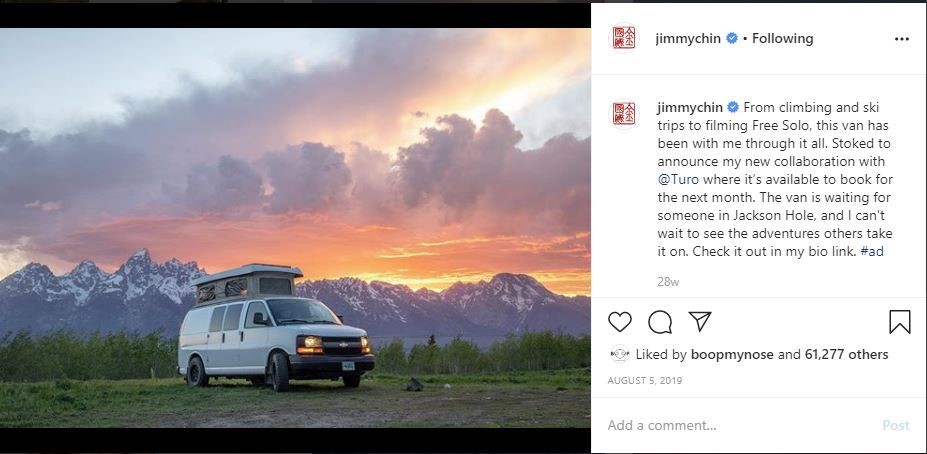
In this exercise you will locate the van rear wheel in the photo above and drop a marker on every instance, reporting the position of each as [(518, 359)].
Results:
[(196, 373), (351, 381), (280, 372)]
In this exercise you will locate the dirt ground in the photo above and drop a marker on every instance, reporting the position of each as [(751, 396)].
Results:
[(555, 401), (389, 408)]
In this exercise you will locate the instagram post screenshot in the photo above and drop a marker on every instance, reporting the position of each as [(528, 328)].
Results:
[(463, 227), (758, 228)]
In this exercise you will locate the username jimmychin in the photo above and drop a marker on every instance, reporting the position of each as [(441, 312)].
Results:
[(712, 39)]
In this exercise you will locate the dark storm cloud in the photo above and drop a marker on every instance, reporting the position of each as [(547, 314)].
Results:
[(308, 178), (370, 189), (548, 186), (67, 173), (229, 186), (456, 162), (465, 168)]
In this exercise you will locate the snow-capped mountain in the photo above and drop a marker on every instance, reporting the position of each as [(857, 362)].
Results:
[(509, 303), (140, 295), (518, 303), (35, 279), (145, 296), (84, 280), (391, 310)]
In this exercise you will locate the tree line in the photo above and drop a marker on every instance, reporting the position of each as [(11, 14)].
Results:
[(123, 355)]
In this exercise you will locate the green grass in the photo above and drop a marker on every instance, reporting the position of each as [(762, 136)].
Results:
[(557, 398)]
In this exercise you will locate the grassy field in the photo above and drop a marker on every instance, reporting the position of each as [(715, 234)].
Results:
[(557, 398)]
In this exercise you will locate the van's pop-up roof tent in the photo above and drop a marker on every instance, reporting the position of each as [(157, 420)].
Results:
[(257, 280)]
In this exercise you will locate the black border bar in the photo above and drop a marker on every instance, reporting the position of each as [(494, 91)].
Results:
[(538, 440), (334, 15)]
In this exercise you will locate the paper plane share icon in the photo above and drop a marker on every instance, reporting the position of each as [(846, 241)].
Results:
[(701, 317)]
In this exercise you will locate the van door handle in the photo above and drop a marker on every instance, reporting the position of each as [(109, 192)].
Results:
[(223, 338), (241, 336)]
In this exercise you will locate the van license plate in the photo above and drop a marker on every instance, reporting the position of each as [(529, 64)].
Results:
[(347, 365)]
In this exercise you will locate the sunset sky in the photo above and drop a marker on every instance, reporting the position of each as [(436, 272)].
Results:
[(422, 157)]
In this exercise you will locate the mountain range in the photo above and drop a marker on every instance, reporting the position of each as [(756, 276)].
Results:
[(145, 296)]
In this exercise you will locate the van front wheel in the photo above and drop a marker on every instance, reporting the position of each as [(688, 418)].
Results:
[(196, 373), (280, 372)]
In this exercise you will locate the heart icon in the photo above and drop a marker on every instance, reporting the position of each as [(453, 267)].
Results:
[(619, 320)]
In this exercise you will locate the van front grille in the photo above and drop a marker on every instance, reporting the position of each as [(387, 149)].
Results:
[(341, 346)]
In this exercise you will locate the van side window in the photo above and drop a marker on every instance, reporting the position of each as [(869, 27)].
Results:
[(275, 286), (256, 307), (236, 287), (215, 324), (206, 293), (232, 317)]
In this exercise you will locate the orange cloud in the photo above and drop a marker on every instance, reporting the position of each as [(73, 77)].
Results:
[(326, 248)]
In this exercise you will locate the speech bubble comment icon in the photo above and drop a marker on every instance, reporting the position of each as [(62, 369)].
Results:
[(660, 322)]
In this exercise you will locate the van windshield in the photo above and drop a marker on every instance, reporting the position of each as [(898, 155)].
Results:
[(299, 311)]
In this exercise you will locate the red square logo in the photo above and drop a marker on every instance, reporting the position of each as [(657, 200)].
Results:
[(624, 113), (624, 37)]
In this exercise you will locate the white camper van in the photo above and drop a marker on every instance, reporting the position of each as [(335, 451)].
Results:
[(248, 323)]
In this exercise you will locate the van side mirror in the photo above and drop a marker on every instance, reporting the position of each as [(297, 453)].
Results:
[(260, 320), (341, 319)]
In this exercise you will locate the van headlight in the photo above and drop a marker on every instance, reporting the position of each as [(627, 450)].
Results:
[(309, 345), (365, 344)]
